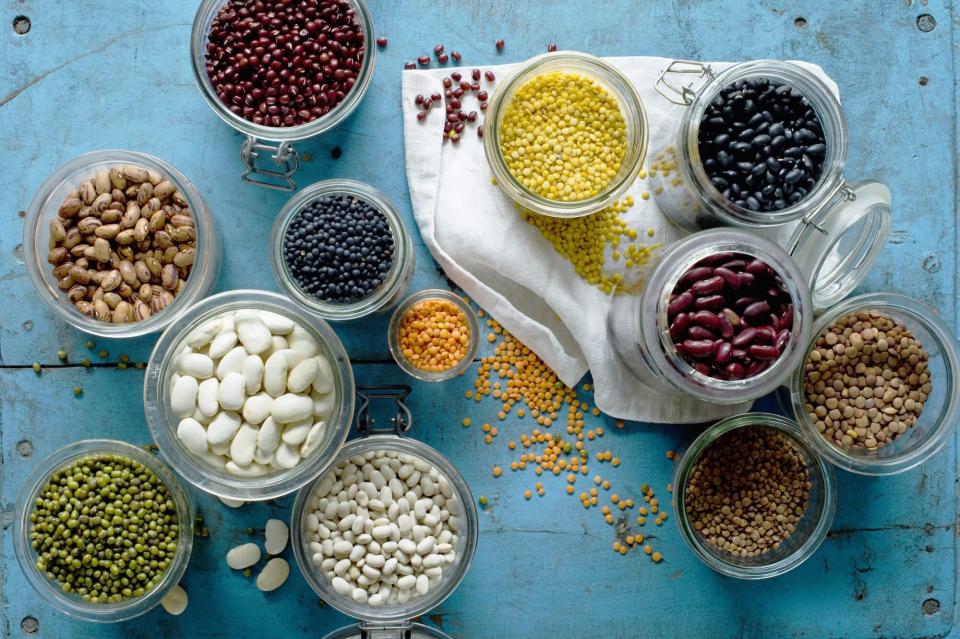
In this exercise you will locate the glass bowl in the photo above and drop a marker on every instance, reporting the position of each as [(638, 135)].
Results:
[(938, 420), (615, 83), (198, 44), (393, 340), (71, 604), (43, 209), (467, 537), (811, 530), (393, 286), (163, 423)]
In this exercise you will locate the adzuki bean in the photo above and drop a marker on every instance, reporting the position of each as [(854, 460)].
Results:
[(730, 316)]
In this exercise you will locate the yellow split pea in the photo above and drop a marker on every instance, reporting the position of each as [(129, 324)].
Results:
[(563, 136), (434, 335)]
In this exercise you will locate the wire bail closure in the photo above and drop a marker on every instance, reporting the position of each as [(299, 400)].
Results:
[(372, 630), (400, 423), (677, 92), (283, 156)]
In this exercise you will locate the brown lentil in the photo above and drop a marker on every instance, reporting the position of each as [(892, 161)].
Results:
[(434, 335), (866, 380), (747, 491)]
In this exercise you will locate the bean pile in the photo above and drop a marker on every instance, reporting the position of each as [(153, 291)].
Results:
[(105, 528), (339, 248), (434, 335), (253, 393), (730, 316), (866, 380), (284, 63), (762, 144), (383, 527), (748, 491), (563, 136), (123, 244)]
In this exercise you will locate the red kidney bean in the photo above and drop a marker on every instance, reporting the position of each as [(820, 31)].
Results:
[(744, 302), (734, 371), (730, 278), (722, 354), (679, 326), (738, 353), (707, 320), (757, 267), (735, 265), (701, 368), (786, 319), (755, 368), (731, 316), (681, 303), (716, 258), (747, 279), (766, 335), (699, 348), (726, 328), (707, 286), (756, 309), (695, 274), (783, 337), (700, 333), (744, 337), (708, 302)]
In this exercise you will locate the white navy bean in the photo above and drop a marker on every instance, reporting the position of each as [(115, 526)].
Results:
[(231, 394), (296, 432), (244, 445), (277, 324), (183, 396), (253, 334), (202, 335), (222, 344), (302, 375), (291, 408), (208, 396), (232, 362), (223, 427)]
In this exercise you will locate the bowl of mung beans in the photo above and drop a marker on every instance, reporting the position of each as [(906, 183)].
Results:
[(877, 392), (565, 134), (433, 335), (103, 530), (753, 500)]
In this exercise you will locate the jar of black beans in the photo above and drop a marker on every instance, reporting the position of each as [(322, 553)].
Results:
[(340, 249), (762, 143)]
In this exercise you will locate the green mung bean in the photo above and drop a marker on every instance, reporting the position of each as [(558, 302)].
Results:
[(105, 528)]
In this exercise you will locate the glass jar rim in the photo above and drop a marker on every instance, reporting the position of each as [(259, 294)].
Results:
[(824, 103), (714, 558), (394, 344), (162, 424), (198, 37), (196, 286), (392, 283), (622, 90), (72, 605), (468, 534), (946, 342)]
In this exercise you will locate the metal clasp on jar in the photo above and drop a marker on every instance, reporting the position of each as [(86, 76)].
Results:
[(283, 156), (400, 422), (677, 92), (373, 630)]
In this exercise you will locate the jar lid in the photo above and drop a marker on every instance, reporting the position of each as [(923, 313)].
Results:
[(836, 246), (387, 631)]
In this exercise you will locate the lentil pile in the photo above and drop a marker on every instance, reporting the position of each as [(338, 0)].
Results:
[(748, 491), (284, 63), (730, 316), (762, 144), (563, 136), (105, 528), (339, 248), (433, 335), (866, 380), (122, 245)]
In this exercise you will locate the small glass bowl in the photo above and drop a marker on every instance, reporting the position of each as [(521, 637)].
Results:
[(71, 604), (163, 423), (467, 537), (43, 209), (393, 336), (811, 530), (208, 10), (393, 286), (607, 76), (938, 420)]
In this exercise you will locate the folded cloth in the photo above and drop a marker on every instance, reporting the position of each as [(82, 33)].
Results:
[(504, 263)]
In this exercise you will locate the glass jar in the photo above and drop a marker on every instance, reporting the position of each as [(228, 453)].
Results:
[(397, 279), (393, 335), (608, 77), (938, 419), (389, 620), (44, 208), (640, 328), (684, 192), (163, 422), (283, 160), (811, 530), (71, 604)]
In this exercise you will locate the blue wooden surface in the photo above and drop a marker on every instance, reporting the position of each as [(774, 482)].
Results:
[(543, 568)]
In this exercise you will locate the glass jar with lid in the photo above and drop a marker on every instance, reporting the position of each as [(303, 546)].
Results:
[(389, 620)]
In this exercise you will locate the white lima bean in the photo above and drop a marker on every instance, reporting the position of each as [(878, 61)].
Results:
[(275, 536), (273, 574), (245, 390), (381, 541), (175, 601), (243, 556)]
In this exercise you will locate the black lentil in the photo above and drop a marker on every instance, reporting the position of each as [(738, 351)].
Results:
[(339, 248), (762, 144), (105, 528)]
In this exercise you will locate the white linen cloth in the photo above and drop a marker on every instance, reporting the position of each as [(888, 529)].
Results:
[(503, 263)]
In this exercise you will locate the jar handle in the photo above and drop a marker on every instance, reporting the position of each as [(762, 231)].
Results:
[(369, 630), (283, 156), (681, 94), (401, 422)]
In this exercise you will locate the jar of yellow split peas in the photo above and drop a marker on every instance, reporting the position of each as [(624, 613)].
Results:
[(565, 134)]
